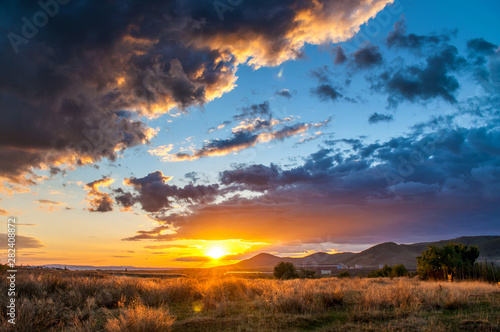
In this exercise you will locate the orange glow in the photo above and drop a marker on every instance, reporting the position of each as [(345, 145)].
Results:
[(216, 252)]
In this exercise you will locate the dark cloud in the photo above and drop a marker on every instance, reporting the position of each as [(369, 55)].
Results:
[(367, 56), (125, 199), (399, 38), (192, 176), (377, 117), (481, 46), (155, 194), (326, 92), (422, 83), (340, 56), (68, 88), (262, 110)]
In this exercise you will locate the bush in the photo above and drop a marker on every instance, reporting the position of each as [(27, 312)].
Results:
[(141, 318), (344, 274), (398, 270), (285, 270)]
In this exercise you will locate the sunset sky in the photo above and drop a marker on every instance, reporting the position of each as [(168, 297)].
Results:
[(169, 133)]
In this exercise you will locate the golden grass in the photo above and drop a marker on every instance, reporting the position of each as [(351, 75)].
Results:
[(69, 301)]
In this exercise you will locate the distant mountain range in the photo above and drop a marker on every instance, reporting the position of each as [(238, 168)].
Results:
[(385, 253)]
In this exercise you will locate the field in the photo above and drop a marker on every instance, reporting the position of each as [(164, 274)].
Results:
[(91, 301)]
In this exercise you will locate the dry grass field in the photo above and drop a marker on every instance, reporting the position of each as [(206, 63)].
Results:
[(85, 301)]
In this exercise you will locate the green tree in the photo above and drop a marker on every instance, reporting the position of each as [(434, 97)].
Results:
[(344, 274), (452, 259), (285, 270), (307, 274), (399, 270)]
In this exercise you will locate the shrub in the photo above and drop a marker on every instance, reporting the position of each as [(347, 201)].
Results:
[(344, 274), (285, 270), (141, 318)]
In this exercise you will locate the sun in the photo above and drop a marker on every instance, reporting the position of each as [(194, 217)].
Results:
[(216, 252)]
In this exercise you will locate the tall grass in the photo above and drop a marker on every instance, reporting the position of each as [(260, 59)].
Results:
[(68, 301)]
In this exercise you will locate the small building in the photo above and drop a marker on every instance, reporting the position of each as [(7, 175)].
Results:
[(381, 266), (358, 266), (326, 271)]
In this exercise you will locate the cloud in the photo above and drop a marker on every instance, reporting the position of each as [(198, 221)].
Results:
[(254, 111), (284, 93), (154, 194), (422, 83), (167, 246), (46, 201), (24, 242), (340, 56), (430, 181), (78, 80), (367, 56), (256, 126), (377, 117), (99, 201), (193, 259), (481, 46), (326, 92), (399, 38)]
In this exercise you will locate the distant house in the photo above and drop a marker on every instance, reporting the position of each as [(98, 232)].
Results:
[(381, 266), (358, 266), (326, 271)]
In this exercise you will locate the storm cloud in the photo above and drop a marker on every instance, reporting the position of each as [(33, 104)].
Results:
[(67, 82)]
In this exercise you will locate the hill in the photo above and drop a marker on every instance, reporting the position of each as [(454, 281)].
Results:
[(385, 253)]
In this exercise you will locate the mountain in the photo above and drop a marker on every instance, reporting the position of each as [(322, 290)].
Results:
[(385, 253), (265, 261)]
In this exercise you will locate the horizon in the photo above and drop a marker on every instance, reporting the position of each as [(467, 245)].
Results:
[(188, 134), (52, 265)]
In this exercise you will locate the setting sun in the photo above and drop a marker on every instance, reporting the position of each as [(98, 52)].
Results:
[(216, 252)]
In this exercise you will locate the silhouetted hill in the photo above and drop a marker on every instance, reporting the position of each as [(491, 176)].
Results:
[(385, 253)]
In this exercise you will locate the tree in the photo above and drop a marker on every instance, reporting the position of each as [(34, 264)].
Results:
[(285, 270), (399, 270), (307, 274), (344, 274), (452, 259)]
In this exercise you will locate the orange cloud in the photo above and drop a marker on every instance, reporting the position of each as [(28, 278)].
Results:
[(99, 201)]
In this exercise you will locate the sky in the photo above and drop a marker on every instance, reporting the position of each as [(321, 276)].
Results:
[(199, 133)]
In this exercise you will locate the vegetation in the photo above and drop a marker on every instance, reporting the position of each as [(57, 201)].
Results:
[(344, 274), (85, 301), (285, 270), (398, 270), (451, 260)]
